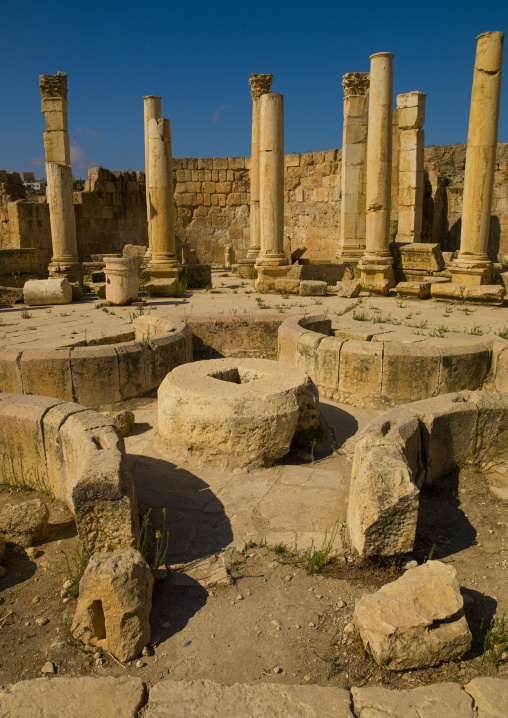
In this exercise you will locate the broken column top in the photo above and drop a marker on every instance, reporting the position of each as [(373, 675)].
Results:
[(260, 85), (489, 52), (53, 85), (355, 83)]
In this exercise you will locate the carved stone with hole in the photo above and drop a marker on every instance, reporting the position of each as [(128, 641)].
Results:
[(235, 413)]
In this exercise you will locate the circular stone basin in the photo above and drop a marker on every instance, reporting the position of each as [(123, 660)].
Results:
[(235, 413)]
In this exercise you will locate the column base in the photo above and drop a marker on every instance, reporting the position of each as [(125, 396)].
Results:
[(71, 270), (267, 276), (253, 253), (376, 274), (470, 275), (346, 256), (163, 270)]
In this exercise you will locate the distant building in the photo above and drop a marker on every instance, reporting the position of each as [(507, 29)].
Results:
[(32, 183), (27, 177)]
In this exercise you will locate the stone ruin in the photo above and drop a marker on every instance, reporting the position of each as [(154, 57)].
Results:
[(237, 414)]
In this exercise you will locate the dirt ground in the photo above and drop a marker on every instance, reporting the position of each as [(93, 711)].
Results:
[(271, 621)]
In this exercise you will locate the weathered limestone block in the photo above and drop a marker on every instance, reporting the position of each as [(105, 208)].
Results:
[(310, 288), (501, 380), (132, 358), (77, 697), (123, 420), (115, 599), (447, 292), (441, 699), (47, 291), (463, 365), (418, 290), (10, 373), (23, 522), (410, 371), (378, 286), (166, 287), (289, 333), (264, 700), (426, 257), (327, 364), (348, 288), (95, 375), (285, 285), (490, 697), (485, 294), (47, 372), (415, 621), (235, 413), (361, 368), (490, 429)]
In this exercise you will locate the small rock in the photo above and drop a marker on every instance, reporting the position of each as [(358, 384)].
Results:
[(99, 661), (340, 604), (307, 678), (88, 648), (33, 552), (287, 578), (239, 598), (66, 599), (349, 628), (140, 664), (48, 667), (24, 522), (145, 652), (410, 564), (58, 645), (123, 420), (67, 585), (318, 595), (277, 669), (312, 625), (97, 655), (277, 624), (36, 599), (297, 625), (64, 593), (41, 621)]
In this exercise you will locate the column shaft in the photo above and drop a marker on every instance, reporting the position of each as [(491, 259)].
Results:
[(354, 152), (61, 213), (481, 149), (411, 117), (161, 200), (152, 111)]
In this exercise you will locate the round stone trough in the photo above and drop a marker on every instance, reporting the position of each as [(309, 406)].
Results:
[(234, 413)]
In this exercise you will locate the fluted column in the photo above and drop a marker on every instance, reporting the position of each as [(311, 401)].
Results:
[(152, 111), (354, 151), (411, 117), (65, 260), (164, 262), (259, 85), (377, 261), (473, 265), (272, 262)]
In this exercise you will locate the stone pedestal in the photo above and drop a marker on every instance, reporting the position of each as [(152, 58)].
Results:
[(354, 150), (377, 261), (272, 262), (152, 111), (65, 260), (259, 85), (164, 263), (473, 266), (122, 280)]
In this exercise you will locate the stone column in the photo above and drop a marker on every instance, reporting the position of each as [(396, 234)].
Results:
[(354, 151), (473, 265), (152, 111), (164, 262), (411, 116), (272, 262), (259, 85), (377, 261), (65, 260)]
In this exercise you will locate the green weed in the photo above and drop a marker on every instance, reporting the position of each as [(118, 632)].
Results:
[(25, 314), (496, 640), (80, 560)]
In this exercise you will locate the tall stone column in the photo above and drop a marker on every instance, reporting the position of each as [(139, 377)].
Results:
[(473, 265), (152, 111), (411, 117), (377, 261), (354, 152), (272, 263), (160, 198), (65, 260)]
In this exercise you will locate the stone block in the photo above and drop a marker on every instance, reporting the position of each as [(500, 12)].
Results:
[(310, 288), (168, 351), (57, 148), (463, 365), (431, 701), (418, 256), (447, 292), (131, 368), (380, 287), (306, 352), (95, 375), (56, 121), (410, 371), (327, 365), (411, 117), (286, 285), (10, 372), (361, 369), (485, 294), (469, 276), (490, 697), (501, 376), (289, 333), (416, 621), (416, 290), (167, 287), (47, 291), (47, 372), (348, 288), (24, 522), (115, 599)]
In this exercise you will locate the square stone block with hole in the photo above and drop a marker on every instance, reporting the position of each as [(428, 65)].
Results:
[(310, 288)]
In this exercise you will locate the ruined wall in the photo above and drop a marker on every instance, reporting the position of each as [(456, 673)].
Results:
[(212, 201)]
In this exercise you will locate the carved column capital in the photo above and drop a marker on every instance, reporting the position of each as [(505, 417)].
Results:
[(260, 85), (355, 83), (53, 86)]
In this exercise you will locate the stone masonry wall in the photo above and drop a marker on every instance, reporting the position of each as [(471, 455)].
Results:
[(212, 201)]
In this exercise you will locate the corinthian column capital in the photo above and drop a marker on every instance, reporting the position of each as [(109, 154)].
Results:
[(355, 83), (53, 86), (260, 85)]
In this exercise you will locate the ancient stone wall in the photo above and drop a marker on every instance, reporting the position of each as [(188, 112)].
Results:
[(212, 200)]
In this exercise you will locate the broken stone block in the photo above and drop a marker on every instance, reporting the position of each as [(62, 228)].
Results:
[(348, 288), (123, 420), (312, 288), (441, 699), (447, 292), (416, 621), (380, 286), (490, 696), (485, 294), (418, 290), (24, 522), (47, 291), (115, 599)]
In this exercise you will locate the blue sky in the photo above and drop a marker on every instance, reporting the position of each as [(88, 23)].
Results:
[(198, 57)]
